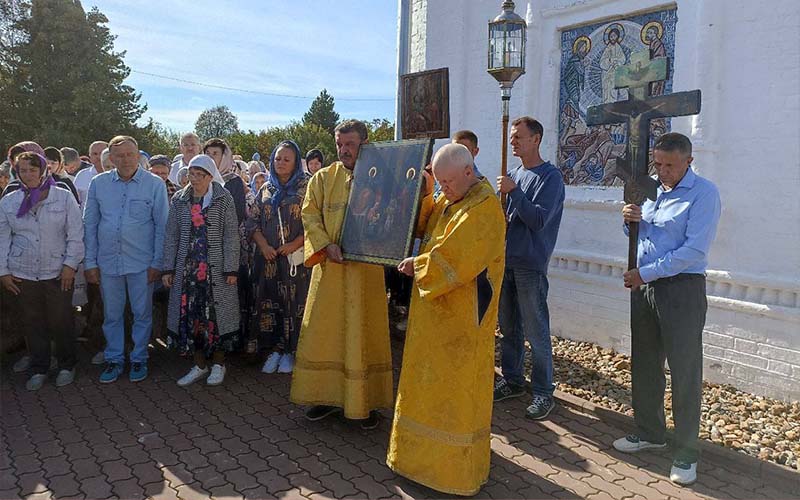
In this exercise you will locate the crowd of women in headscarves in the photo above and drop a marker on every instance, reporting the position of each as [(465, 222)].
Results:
[(232, 273)]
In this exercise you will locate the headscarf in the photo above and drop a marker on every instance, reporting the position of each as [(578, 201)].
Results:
[(226, 165), (255, 167), (28, 147), (290, 188), (253, 182), (33, 195), (241, 168), (207, 163), (183, 173), (160, 160)]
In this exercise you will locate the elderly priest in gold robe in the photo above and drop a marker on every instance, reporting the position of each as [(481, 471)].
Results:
[(441, 431)]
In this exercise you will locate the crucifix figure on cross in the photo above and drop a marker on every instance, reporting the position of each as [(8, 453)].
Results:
[(637, 111)]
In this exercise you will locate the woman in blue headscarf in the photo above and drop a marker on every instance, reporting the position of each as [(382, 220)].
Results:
[(276, 228)]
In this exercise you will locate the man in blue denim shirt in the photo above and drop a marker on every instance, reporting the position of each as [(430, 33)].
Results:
[(535, 192), (668, 304), (125, 217)]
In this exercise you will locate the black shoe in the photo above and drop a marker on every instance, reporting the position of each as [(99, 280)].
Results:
[(320, 411), (371, 422), (506, 390), (540, 408)]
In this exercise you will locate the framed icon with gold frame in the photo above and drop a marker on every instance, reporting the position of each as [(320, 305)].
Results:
[(384, 200)]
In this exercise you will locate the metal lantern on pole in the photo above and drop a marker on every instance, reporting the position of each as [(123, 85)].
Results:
[(507, 34)]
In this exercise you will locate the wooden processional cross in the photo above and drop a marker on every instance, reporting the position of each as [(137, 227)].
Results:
[(637, 111)]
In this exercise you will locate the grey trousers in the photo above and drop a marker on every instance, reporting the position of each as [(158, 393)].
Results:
[(667, 319)]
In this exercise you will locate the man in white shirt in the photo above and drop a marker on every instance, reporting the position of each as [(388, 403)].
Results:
[(190, 147), (85, 176)]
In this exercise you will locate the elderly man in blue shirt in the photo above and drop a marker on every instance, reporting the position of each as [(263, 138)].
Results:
[(668, 304), (125, 217)]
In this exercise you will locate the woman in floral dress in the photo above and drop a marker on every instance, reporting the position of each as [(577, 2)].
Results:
[(201, 255)]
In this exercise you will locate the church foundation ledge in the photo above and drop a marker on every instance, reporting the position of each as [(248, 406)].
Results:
[(738, 292)]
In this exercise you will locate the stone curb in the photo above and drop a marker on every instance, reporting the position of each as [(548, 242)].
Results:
[(769, 472)]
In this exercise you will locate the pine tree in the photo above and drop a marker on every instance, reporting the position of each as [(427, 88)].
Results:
[(61, 83), (321, 112)]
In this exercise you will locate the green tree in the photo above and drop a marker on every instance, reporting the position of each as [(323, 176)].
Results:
[(218, 121), (307, 136), (322, 113), (380, 129), (245, 144), (158, 140), (310, 137), (61, 83)]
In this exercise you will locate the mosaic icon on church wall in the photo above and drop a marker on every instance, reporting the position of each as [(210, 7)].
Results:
[(590, 56)]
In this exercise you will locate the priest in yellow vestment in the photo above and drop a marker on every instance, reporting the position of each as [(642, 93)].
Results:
[(343, 359), (442, 421)]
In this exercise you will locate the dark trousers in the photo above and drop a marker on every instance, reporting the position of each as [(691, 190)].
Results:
[(11, 337), (399, 286), (667, 319), (94, 317), (45, 312)]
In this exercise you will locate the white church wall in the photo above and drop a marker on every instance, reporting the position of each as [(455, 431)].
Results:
[(747, 141)]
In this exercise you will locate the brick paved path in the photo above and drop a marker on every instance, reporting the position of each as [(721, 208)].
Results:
[(244, 438)]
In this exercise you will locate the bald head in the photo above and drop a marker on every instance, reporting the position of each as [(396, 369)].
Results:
[(453, 169)]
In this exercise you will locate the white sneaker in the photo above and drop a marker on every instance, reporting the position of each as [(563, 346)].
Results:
[(287, 364), (22, 364), (217, 375), (271, 364), (631, 444), (36, 382), (99, 358), (683, 473), (195, 374), (65, 377)]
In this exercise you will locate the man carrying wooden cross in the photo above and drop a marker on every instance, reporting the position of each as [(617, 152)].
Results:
[(668, 304), (667, 261)]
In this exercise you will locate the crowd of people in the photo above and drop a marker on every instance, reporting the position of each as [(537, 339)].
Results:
[(245, 257), (215, 253)]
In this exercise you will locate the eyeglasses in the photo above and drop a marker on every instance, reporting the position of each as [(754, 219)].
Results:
[(197, 175)]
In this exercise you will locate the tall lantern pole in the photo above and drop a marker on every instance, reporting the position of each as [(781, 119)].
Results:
[(507, 35)]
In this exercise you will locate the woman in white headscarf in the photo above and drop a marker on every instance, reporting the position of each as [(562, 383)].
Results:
[(201, 267)]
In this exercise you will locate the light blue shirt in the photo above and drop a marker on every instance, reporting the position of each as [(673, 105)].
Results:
[(37, 245), (125, 223), (677, 229)]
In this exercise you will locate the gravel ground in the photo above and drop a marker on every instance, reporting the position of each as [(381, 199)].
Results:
[(762, 427)]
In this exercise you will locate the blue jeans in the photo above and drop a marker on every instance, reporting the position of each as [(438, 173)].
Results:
[(524, 315), (140, 293)]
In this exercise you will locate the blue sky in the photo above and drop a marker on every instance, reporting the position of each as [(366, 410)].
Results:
[(279, 47)]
